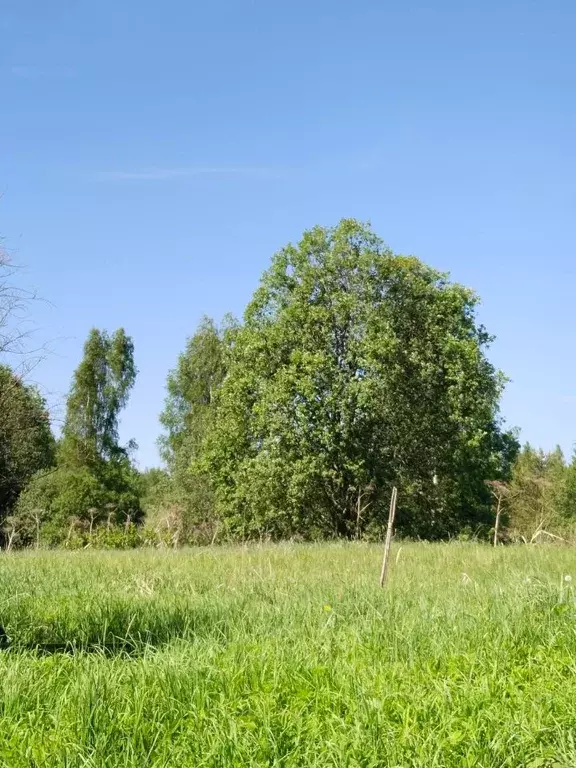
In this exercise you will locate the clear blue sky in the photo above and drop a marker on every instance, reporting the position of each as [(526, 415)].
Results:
[(153, 155)]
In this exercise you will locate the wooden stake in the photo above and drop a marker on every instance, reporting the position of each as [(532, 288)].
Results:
[(389, 531), (497, 522)]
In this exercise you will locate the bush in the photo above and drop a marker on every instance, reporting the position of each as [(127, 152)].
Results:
[(127, 537), (67, 507)]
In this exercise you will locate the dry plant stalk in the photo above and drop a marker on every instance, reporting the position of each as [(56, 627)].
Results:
[(501, 493), (389, 530)]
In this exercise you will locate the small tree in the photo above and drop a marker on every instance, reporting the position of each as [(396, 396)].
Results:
[(500, 492), (538, 492)]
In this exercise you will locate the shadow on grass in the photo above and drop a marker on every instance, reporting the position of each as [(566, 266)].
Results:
[(120, 630), (124, 649)]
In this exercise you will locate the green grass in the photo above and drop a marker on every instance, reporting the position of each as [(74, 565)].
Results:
[(289, 656)]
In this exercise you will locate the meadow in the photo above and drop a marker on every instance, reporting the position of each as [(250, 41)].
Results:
[(289, 655)]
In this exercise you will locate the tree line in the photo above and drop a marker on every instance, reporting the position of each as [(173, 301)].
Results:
[(353, 370)]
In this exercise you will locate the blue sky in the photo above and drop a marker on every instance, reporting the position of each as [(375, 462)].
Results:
[(154, 155)]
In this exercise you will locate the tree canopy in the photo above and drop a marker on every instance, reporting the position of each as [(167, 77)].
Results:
[(356, 369), (100, 389), (190, 392)]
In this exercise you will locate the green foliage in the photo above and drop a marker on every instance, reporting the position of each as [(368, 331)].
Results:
[(190, 388), (355, 369), (54, 502), (155, 486), (289, 656), (26, 441), (569, 492), (100, 389), (94, 481), (122, 482), (186, 506), (164, 505), (67, 505), (539, 493), (127, 537)]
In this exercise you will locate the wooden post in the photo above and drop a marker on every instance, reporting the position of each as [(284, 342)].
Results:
[(37, 521), (497, 521), (389, 531)]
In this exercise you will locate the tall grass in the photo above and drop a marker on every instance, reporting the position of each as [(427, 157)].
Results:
[(289, 656)]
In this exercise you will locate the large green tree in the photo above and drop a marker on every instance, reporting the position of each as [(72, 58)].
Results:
[(187, 417), (26, 441), (356, 369)]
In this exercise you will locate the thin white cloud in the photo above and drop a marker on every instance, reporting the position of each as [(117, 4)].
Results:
[(162, 174), (569, 399), (32, 73)]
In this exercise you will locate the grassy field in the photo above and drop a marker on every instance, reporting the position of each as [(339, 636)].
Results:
[(289, 656)]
